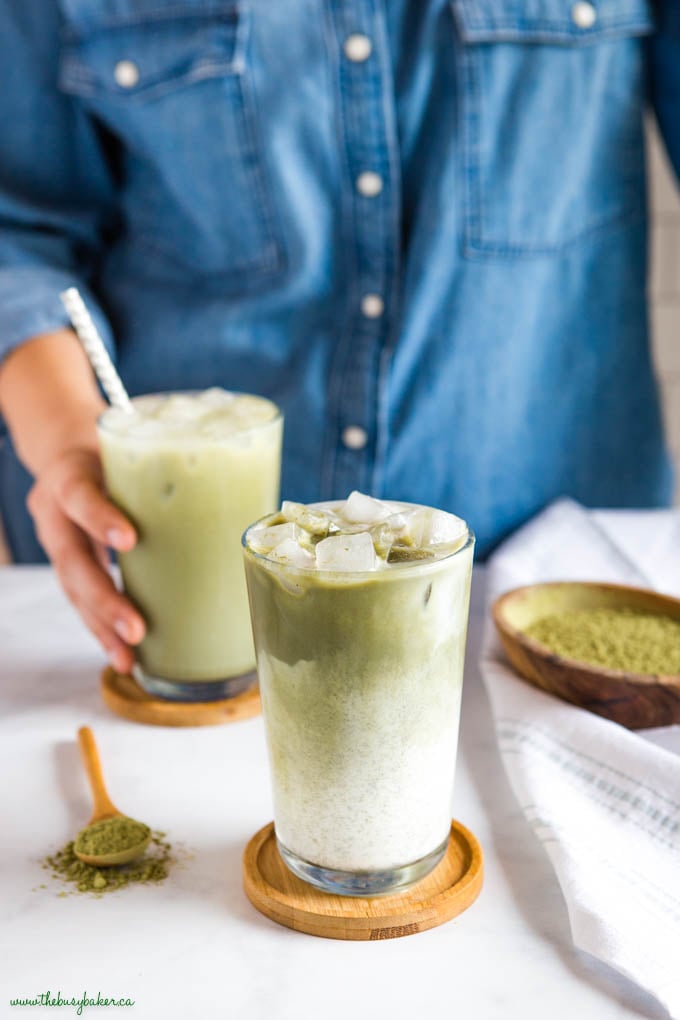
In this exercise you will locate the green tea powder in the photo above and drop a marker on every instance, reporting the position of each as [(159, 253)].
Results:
[(622, 639), (111, 836), (85, 878)]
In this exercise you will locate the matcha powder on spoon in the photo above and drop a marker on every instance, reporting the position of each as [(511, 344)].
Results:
[(85, 878), (110, 836), (621, 639)]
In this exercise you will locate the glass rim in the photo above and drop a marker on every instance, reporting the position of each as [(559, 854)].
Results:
[(390, 570), (259, 426)]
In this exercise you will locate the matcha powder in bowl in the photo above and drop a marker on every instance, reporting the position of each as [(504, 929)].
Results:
[(618, 639)]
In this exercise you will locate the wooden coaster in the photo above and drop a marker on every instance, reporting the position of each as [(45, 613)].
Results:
[(125, 697), (447, 891)]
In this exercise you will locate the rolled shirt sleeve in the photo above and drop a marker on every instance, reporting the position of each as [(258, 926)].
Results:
[(57, 190), (30, 304)]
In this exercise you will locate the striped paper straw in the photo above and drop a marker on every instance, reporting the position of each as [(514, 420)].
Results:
[(95, 350)]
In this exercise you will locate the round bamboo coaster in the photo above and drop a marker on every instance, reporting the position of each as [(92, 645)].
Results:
[(447, 891), (123, 695)]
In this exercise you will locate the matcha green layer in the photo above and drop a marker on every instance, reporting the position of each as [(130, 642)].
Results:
[(360, 683)]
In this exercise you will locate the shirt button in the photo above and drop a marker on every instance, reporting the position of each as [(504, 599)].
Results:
[(357, 47), (126, 74), (354, 437), (369, 184), (583, 14), (372, 306)]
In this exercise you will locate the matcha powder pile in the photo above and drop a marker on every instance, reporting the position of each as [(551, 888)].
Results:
[(622, 639), (152, 867)]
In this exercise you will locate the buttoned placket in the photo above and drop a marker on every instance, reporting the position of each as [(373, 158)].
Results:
[(367, 127)]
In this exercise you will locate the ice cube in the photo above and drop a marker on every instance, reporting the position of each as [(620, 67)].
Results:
[(215, 425), (290, 552), (147, 428), (339, 526), (250, 411), (426, 529), (314, 521), (215, 397), (383, 539), (149, 404), (444, 529), (397, 522), (120, 421), (408, 526), (361, 509), (180, 408), (347, 553), (387, 532), (263, 540), (396, 525)]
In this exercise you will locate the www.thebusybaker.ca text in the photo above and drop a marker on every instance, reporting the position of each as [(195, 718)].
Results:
[(48, 999)]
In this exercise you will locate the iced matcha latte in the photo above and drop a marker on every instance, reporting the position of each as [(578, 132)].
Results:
[(191, 471), (359, 613)]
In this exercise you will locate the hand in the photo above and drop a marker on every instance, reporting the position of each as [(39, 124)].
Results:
[(76, 523)]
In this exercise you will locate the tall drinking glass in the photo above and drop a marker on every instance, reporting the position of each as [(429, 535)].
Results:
[(191, 471), (360, 636)]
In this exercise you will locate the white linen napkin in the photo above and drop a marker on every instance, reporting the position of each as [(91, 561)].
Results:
[(604, 801)]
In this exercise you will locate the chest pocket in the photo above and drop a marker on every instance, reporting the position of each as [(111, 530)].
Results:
[(170, 83), (551, 99)]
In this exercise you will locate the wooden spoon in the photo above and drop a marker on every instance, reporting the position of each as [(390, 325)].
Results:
[(103, 806)]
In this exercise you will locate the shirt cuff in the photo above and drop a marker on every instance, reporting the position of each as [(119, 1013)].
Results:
[(30, 304)]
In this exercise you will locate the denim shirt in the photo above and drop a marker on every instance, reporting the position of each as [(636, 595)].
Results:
[(417, 225)]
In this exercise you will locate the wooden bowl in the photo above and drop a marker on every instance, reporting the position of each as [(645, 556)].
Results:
[(631, 699)]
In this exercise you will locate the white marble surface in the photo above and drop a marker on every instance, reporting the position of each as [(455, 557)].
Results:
[(194, 947)]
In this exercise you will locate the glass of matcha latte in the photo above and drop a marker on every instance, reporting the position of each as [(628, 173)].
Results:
[(190, 471), (359, 611)]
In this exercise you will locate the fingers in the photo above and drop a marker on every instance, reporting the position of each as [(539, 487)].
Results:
[(118, 653), (90, 587), (84, 577), (75, 524), (102, 554), (106, 612), (79, 494)]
